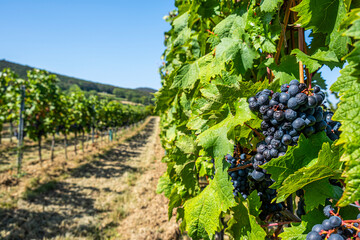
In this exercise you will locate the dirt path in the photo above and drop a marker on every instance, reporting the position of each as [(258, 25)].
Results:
[(110, 197)]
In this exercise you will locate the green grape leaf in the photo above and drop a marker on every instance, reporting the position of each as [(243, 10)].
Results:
[(243, 225), (216, 139), (315, 61), (295, 232), (174, 201), (287, 70), (327, 165), (235, 50), (270, 5), (186, 144), (317, 192), (348, 87), (296, 157), (320, 16), (186, 76), (164, 185), (202, 212), (254, 203)]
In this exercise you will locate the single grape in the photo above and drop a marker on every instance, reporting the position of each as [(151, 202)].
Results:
[(273, 153), (313, 236), (275, 143), (277, 135), (337, 126), (298, 124), (276, 96), (295, 139), (272, 129), (267, 154), (312, 102), (268, 139), (274, 122), (303, 108), (286, 139), (308, 131), (319, 99), (270, 113), (316, 89), (290, 115), (279, 116), (326, 224), (317, 228), (333, 136), (266, 92), (284, 87), (294, 82), (283, 148), (259, 157), (256, 165), (318, 116), (301, 98), (273, 102), (310, 120), (243, 156), (284, 97), (263, 109), (328, 117), (251, 99), (293, 90), (302, 87), (335, 221), (258, 175), (293, 103), (260, 149), (320, 126)]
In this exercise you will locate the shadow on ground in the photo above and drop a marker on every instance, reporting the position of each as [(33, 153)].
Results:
[(49, 214)]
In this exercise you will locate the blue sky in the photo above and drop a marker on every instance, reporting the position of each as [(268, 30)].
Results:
[(108, 41)]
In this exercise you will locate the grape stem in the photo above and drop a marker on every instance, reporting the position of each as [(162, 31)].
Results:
[(256, 132), (284, 26), (241, 167)]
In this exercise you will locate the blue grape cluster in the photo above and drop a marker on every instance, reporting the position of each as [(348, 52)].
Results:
[(239, 178), (244, 183), (266, 195), (334, 228), (285, 116)]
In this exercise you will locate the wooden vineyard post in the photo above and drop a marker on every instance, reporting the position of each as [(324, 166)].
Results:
[(21, 129)]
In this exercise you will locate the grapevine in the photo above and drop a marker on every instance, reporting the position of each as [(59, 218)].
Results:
[(243, 105), (49, 111)]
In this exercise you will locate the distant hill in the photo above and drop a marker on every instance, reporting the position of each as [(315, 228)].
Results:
[(144, 89), (139, 95)]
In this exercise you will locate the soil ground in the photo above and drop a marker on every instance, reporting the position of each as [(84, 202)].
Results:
[(110, 195)]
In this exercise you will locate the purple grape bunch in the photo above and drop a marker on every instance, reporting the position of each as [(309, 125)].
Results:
[(334, 228), (287, 114)]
